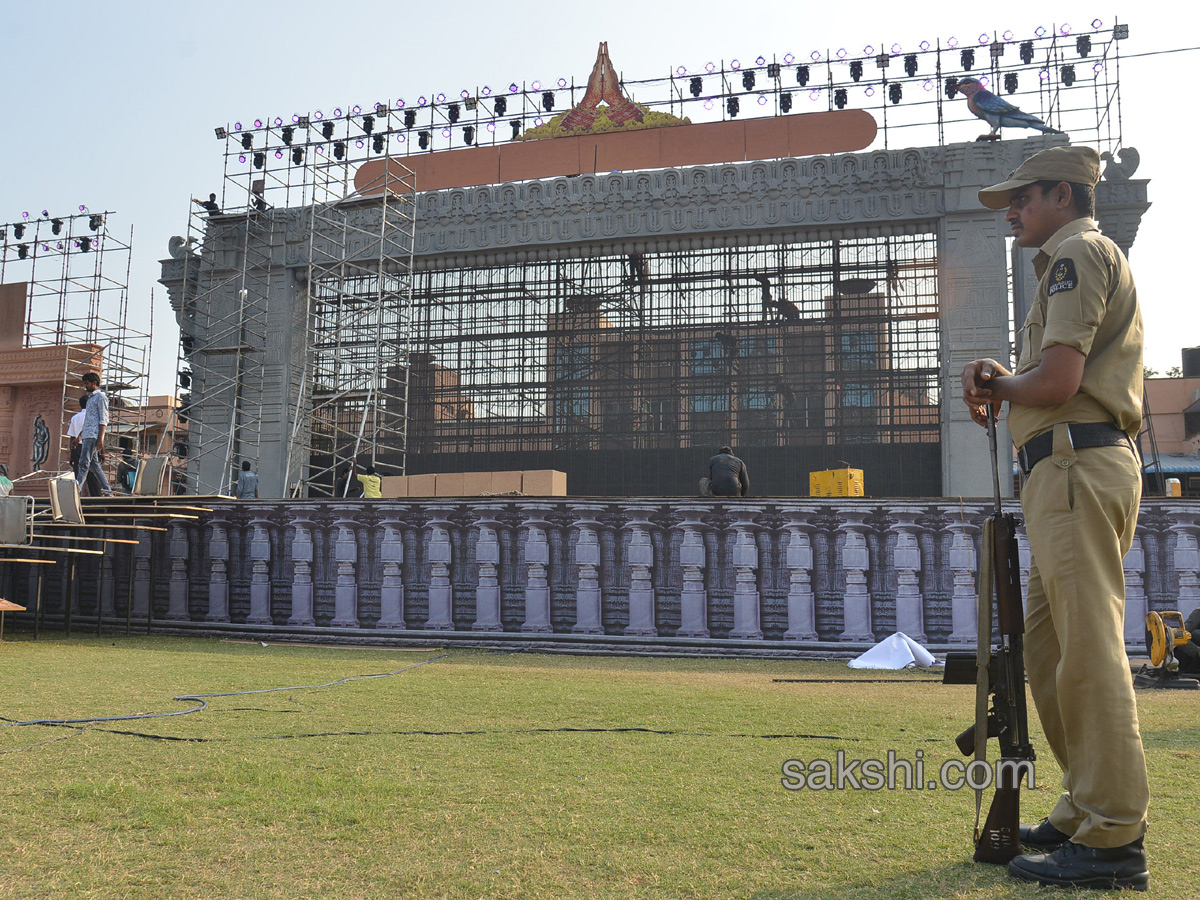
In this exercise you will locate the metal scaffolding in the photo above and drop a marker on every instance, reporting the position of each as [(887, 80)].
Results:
[(77, 269)]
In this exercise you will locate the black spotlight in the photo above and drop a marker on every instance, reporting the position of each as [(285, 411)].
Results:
[(839, 98), (181, 449), (339, 149), (910, 64), (856, 70), (501, 106), (56, 226), (327, 130), (298, 155), (185, 380), (247, 141), (547, 100), (696, 86), (968, 58), (895, 92), (260, 160), (772, 70), (748, 80), (19, 230), (85, 244), (1083, 44), (377, 143), (3, 234), (785, 102), (733, 106), (410, 117), (802, 75), (288, 131), (23, 251), (951, 87), (423, 140), (1068, 75), (1027, 52), (368, 124), (1010, 82), (452, 112), (469, 135), (516, 128), (94, 222)]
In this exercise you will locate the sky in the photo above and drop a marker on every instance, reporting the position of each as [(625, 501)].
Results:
[(113, 105)]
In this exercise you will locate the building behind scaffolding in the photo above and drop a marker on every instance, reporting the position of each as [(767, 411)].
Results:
[(810, 310)]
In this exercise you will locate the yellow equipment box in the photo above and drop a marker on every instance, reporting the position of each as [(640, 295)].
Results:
[(836, 483)]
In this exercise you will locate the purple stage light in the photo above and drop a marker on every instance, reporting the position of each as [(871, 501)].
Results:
[(321, 149), (464, 94), (486, 92), (983, 39), (60, 245), (441, 98), (237, 126), (928, 85), (24, 215), (896, 49), (258, 123), (1039, 31), (841, 53), (512, 88), (868, 50), (762, 99), (924, 45), (760, 61), (681, 70), (279, 154), (538, 122), (400, 139), (735, 65), (1097, 67), (82, 208), (46, 212), (1064, 30), (421, 101), (445, 132), (337, 113), (536, 86), (562, 82), (241, 157), (814, 95), (815, 56), (491, 127), (1097, 24), (1043, 75), (356, 110), (295, 118), (708, 104), (1008, 35), (318, 115), (870, 92), (788, 59), (710, 67), (358, 144), (952, 42), (278, 121)]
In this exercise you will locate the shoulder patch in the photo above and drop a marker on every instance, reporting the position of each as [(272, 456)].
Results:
[(1062, 277)]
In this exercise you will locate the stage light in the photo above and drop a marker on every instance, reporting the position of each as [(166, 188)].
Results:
[(697, 85), (339, 150), (535, 86), (260, 160), (247, 141), (501, 105), (337, 113), (894, 92), (3, 234), (258, 123), (410, 118), (1083, 44), (548, 100), (1120, 32), (710, 67), (996, 50), (802, 75), (23, 251), (785, 102), (469, 135), (298, 155), (760, 60), (735, 65), (288, 132), (789, 58), (882, 61), (471, 103), (327, 130), (839, 98), (773, 70), (951, 87), (910, 64), (856, 70), (85, 244), (377, 143), (423, 140), (748, 79), (368, 124), (516, 128), (733, 106), (220, 132), (56, 226), (1027, 52), (452, 112), (967, 57), (1010, 82), (279, 153), (1068, 75), (512, 88), (302, 121)]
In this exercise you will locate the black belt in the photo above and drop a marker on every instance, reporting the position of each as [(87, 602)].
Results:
[(1089, 434)]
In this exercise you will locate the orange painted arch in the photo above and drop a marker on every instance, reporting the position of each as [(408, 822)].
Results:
[(779, 137)]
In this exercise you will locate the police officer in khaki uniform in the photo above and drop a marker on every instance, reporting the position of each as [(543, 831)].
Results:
[(1075, 405)]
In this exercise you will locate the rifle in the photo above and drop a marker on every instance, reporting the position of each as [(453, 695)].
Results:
[(999, 677)]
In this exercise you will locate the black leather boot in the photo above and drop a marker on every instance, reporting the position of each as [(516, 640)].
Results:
[(1043, 836), (1074, 865)]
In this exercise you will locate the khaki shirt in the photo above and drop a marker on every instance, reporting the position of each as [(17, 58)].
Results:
[(1086, 299)]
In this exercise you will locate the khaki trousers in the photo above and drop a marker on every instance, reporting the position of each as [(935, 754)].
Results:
[(1081, 510)]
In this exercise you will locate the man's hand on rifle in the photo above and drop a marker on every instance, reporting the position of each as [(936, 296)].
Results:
[(977, 392)]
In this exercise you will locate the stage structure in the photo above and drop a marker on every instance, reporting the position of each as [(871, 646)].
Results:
[(462, 281), (64, 285)]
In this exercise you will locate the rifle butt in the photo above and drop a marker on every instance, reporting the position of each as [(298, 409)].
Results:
[(1001, 840)]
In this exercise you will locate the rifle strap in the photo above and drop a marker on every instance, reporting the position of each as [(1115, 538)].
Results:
[(983, 651)]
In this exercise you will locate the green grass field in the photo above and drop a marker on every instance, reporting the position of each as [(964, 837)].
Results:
[(491, 775)]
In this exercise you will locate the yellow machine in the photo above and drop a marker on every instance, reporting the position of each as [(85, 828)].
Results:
[(836, 483), (1164, 632)]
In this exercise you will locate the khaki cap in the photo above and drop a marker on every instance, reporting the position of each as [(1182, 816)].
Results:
[(1079, 165)]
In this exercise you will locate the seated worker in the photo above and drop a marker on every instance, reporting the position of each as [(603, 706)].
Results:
[(727, 476), (371, 483)]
